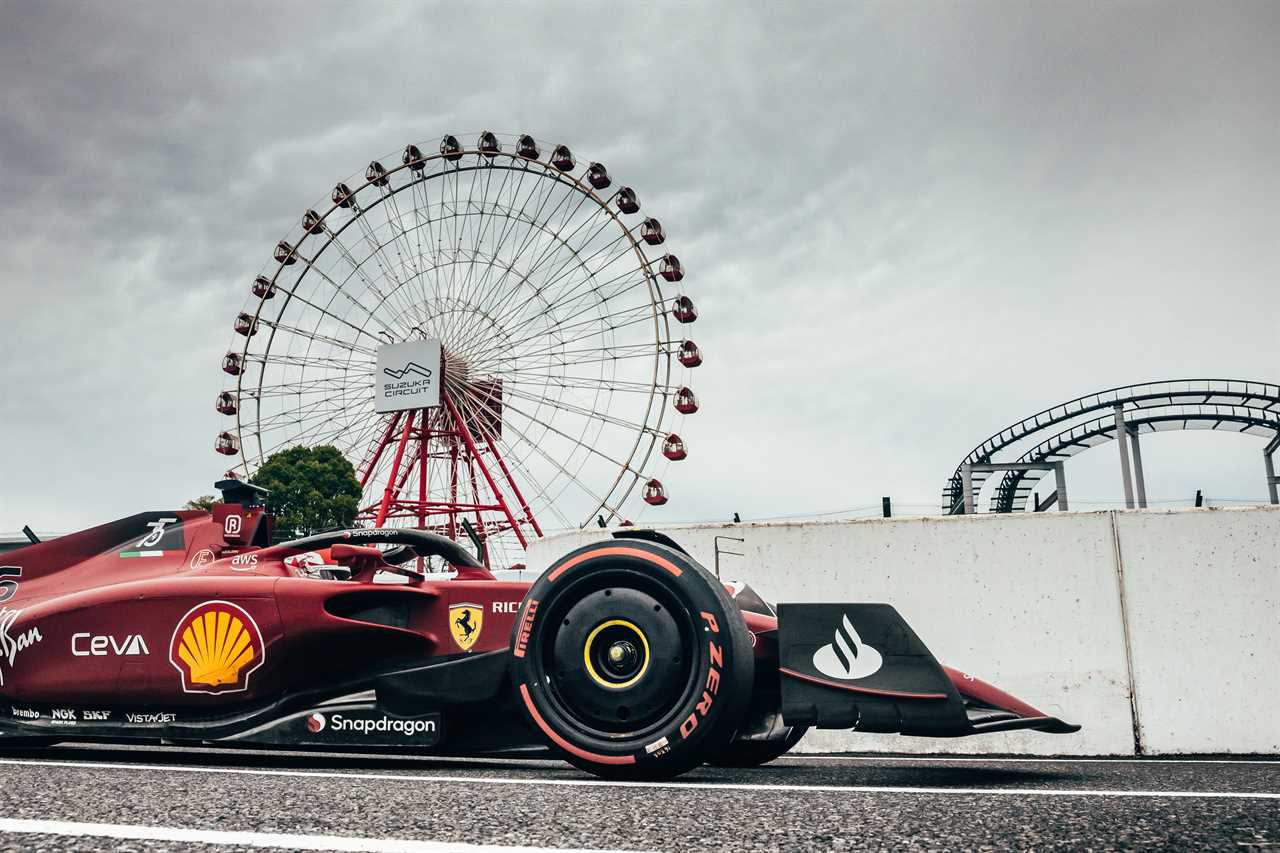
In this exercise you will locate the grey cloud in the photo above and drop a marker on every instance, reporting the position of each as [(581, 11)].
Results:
[(906, 225)]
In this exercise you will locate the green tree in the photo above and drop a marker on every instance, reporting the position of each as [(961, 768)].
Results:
[(204, 502), (312, 489)]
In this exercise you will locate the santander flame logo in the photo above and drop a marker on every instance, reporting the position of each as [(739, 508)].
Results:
[(847, 658)]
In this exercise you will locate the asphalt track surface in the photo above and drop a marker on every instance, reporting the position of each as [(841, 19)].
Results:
[(127, 798)]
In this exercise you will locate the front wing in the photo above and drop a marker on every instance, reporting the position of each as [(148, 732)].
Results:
[(861, 666)]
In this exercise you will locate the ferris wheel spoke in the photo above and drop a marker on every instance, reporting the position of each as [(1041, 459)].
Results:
[(544, 191), (311, 413), (324, 311), (573, 254), (576, 410), (497, 208), (318, 337), (514, 459), (377, 253), (592, 325), (621, 280), (599, 354), (588, 383), (534, 238), (421, 184), (570, 477), (400, 235), (356, 266), (317, 362), (299, 389)]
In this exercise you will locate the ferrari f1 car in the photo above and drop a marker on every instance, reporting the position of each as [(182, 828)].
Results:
[(626, 657)]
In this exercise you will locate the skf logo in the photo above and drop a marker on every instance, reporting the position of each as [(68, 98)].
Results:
[(316, 723), (216, 647), (85, 645), (526, 627), (465, 621)]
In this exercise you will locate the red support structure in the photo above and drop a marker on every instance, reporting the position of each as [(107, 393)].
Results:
[(524, 506), (460, 447), (395, 469), (484, 469), (382, 445)]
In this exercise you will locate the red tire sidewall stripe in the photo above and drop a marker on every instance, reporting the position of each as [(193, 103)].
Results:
[(616, 552), (564, 744)]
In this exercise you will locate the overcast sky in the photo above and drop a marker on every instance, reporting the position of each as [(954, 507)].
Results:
[(905, 225)]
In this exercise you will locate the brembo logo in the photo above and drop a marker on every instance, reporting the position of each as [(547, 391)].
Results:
[(411, 367), (847, 657)]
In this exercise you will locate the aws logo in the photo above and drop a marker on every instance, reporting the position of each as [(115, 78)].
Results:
[(216, 647)]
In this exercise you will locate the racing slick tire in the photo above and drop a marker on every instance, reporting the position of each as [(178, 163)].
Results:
[(753, 753), (631, 660)]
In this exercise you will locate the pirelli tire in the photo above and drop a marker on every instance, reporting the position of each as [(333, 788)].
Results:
[(632, 660)]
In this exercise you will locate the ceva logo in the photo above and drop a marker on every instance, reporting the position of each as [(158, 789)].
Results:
[(847, 657), (85, 645)]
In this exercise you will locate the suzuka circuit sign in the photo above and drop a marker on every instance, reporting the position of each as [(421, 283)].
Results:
[(408, 376)]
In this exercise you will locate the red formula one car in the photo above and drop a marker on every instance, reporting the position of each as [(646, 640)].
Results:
[(626, 657)]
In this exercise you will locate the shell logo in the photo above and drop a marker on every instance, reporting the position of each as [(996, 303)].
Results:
[(216, 647)]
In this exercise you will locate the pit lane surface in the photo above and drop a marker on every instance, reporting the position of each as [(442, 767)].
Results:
[(112, 798)]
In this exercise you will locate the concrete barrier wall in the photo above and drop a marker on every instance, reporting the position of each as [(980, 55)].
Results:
[(1072, 612), (1203, 604)]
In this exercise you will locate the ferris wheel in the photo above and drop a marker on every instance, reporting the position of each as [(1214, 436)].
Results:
[(563, 355)]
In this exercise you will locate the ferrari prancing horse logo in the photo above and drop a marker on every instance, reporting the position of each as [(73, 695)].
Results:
[(465, 621)]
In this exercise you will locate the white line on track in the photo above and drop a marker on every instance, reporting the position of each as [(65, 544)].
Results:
[(932, 759), (606, 783), (288, 841)]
